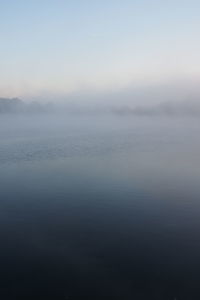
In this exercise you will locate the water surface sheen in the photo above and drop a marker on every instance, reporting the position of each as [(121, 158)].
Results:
[(99, 208)]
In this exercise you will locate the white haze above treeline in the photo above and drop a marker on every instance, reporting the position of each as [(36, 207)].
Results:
[(170, 100)]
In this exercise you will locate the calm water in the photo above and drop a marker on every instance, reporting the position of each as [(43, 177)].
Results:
[(99, 208)]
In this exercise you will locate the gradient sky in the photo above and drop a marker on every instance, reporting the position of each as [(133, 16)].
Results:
[(57, 46)]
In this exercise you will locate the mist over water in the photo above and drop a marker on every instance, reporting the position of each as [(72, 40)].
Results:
[(99, 150), (99, 207)]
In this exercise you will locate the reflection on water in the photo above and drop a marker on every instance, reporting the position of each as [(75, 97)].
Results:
[(96, 208)]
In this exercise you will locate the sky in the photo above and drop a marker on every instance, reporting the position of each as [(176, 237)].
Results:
[(61, 47)]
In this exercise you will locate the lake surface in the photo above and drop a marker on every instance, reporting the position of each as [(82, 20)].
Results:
[(99, 208)]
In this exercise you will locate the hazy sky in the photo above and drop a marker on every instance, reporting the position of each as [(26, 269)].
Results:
[(64, 46)]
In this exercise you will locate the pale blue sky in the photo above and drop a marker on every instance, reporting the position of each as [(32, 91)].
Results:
[(57, 46)]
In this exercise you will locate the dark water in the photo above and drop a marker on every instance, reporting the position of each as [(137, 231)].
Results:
[(99, 208)]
